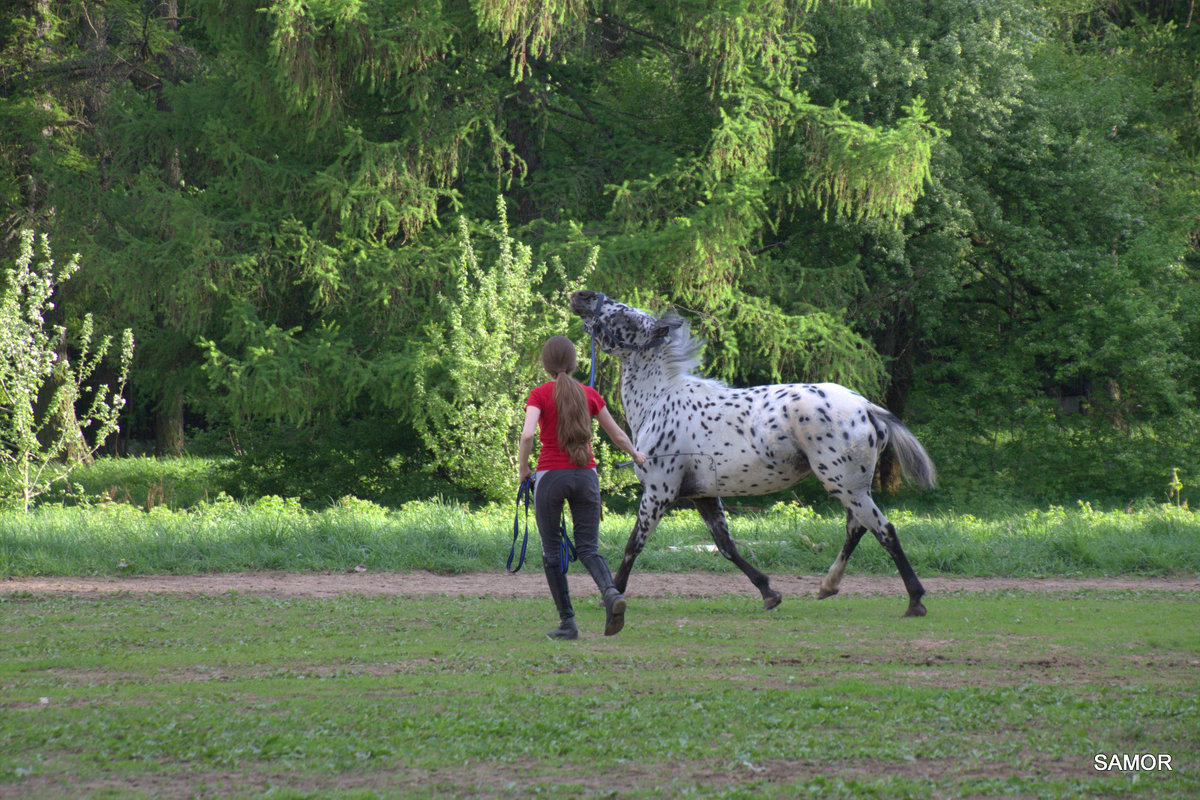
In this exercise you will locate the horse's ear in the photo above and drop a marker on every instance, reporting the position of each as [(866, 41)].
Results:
[(664, 326)]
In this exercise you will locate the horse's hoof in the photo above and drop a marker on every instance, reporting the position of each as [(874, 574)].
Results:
[(915, 610), (772, 600), (822, 593)]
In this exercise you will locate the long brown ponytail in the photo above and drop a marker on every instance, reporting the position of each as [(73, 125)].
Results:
[(574, 421)]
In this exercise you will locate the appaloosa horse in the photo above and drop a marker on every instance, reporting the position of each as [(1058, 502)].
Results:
[(706, 441)]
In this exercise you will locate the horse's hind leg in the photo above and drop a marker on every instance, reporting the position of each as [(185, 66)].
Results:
[(887, 538), (713, 514), (854, 532), (867, 513), (863, 515)]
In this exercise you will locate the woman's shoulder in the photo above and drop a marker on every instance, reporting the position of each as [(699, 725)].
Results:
[(594, 398), (539, 393)]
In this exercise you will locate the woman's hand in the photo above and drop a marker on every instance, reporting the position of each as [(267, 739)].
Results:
[(639, 457), (523, 473)]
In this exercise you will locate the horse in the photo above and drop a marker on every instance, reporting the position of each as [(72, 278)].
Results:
[(705, 440)]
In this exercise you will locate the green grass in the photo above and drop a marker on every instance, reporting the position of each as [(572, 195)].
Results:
[(223, 535), (168, 516), (236, 696)]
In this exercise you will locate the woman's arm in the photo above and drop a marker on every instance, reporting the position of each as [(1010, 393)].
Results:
[(618, 436), (528, 434)]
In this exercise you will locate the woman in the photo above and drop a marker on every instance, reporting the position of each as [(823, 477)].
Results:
[(563, 409)]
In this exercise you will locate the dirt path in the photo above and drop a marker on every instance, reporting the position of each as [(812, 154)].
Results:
[(533, 584)]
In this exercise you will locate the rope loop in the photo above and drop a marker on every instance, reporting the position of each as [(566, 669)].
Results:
[(524, 492), (566, 549)]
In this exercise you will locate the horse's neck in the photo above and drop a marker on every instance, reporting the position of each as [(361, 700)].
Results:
[(642, 388)]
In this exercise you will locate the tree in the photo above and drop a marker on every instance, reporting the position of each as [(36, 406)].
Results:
[(71, 73), (684, 137), (1048, 261), (368, 134), (881, 195)]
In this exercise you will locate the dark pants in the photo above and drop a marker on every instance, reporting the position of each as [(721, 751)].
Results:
[(579, 489)]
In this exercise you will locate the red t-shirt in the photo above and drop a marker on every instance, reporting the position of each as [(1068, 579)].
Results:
[(550, 456)]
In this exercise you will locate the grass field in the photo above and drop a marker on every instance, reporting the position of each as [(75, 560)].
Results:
[(235, 695), (998, 694)]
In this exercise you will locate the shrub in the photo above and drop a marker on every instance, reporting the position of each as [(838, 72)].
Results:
[(42, 441)]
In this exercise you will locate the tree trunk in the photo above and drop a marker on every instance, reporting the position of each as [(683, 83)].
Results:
[(168, 423), (523, 134), (897, 348), (169, 11), (64, 423), (168, 416)]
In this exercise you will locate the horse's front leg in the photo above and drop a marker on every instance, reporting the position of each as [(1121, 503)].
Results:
[(713, 514), (651, 509)]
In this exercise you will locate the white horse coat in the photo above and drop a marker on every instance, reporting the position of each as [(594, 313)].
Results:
[(706, 440)]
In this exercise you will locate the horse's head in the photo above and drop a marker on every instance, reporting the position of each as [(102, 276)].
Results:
[(618, 329)]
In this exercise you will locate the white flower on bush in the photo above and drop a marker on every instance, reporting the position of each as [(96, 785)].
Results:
[(29, 360)]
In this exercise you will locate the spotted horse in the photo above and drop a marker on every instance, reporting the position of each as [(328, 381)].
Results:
[(705, 440)]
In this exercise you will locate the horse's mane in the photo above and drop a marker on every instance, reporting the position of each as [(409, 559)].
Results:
[(682, 352)]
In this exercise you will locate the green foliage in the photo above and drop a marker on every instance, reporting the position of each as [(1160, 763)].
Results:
[(178, 483), (1037, 305), (372, 459), (1049, 459), (964, 208), (700, 188), (861, 172), (41, 429), (532, 30), (473, 373), (281, 375)]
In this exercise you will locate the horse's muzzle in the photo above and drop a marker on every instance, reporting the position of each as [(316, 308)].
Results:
[(585, 301)]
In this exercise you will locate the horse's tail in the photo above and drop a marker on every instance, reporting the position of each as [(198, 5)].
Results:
[(915, 463)]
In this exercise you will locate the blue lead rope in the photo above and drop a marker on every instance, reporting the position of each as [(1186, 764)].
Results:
[(592, 377), (524, 492), (566, 550)]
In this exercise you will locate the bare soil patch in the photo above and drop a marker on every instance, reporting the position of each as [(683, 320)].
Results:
[(533, 584)]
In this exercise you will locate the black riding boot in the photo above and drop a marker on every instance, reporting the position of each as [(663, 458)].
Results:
[(614, 601), (562, 601)]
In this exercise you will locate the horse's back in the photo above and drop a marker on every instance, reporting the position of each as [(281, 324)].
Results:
[(761, 439)]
